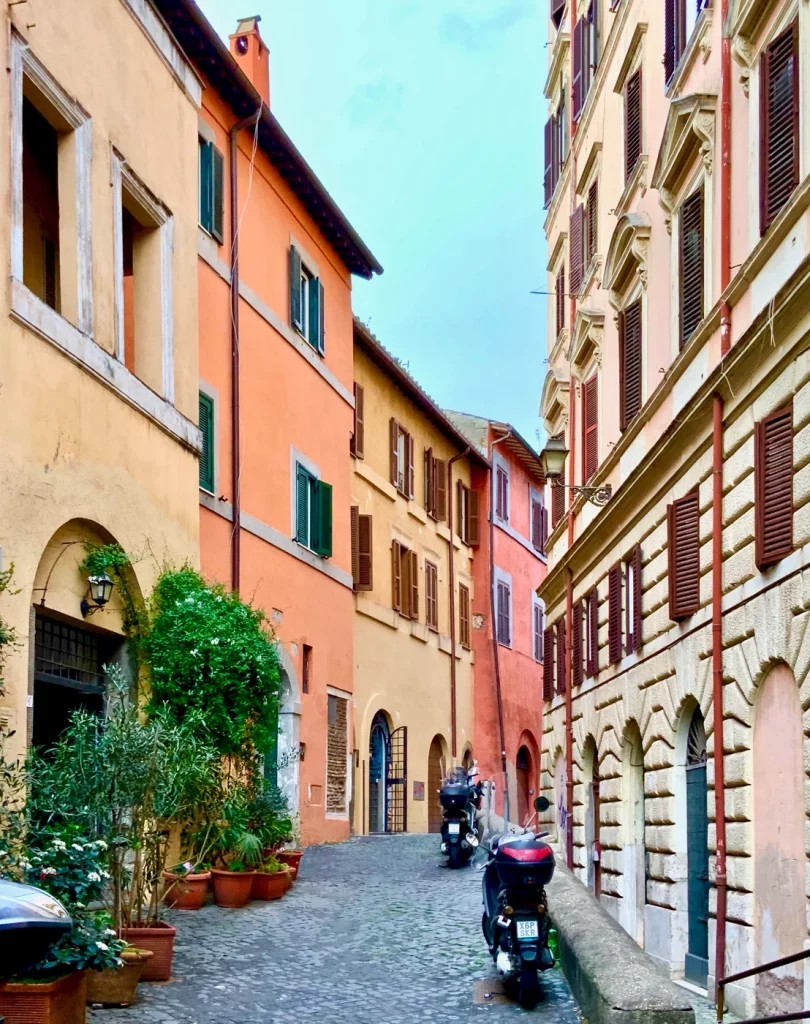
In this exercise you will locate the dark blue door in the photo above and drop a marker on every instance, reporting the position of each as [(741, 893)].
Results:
[(696, 967)]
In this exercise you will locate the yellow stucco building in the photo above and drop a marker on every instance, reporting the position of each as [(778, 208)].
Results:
[(413, 663), (98, 393)]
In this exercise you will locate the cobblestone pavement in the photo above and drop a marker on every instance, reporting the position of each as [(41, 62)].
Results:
[(374, 930)]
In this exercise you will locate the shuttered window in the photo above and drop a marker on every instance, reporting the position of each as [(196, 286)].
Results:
[(576, 644), (306, 302), (468, 515), (632, 575), (435, 485), (400, 457), (549, 136), (576, 249), (691, 259), (404, 581), (211, 187), (464, 615), (396, 576), (556, 11), (678, 22), (559, 641), (538, 524), (615, 614), (592, 632), (358, 442), (431, 596), (632, 124), (503, 605), (548, 663), (502, 494), (590, 428), (313, 512), (592, 221), (362, 571), (579, 58), (557, 504), (537, 631), (559, 300), (773, 475), (683, 539), (629, 364), (779, 124), (208, 443)]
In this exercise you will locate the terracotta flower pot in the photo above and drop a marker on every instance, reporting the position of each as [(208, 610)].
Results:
[(231, 888), (116, 986), (292, 858), (270, 886), (186, 892), (289, 880), (160, 939), (54, 1002)]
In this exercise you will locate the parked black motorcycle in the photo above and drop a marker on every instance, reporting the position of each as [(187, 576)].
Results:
[(459, 799), (515, 920)]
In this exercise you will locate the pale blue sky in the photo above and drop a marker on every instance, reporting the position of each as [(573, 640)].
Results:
[(423, 119)]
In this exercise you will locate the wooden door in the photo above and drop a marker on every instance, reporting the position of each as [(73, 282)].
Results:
[(434, 785), (523, 771)]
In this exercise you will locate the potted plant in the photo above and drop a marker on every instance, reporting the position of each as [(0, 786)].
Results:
[(236, 849), (116, 986), (271, 880), (186, 886), (291, 852)]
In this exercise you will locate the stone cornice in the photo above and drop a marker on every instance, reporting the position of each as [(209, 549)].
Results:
[(637, 182), (586, 343), (628, 250), (689, 132), (554, 400), (560, 191), (593, 158), (630, 57), (556, 62)]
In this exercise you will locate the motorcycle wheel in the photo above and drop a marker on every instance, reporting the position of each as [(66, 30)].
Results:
[(528, 986), (455, 855)]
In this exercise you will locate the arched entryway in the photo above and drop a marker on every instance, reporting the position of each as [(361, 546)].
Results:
[(379, 760), (436, 771), (633, 823), (282, 764), (523, 773), (696, 964), (590, 782), (779, 857), (560, 811)]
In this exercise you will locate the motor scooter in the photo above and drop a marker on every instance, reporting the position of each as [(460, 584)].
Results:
[(460, 799)]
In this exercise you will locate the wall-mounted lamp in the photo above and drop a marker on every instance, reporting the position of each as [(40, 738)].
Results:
[(100, 592), (553, 458)]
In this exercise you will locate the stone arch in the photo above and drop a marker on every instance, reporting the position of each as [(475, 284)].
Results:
[(633, 832), (590, 810), (438, 765), (527, 776), (559, 796), (288, 772)]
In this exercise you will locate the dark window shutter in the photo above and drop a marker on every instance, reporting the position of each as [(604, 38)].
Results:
[(560, 644), (593, 632), (577, 48), (629, 364), (670, 59), (440, 469), (779, 124), (590, 427), (409, 457), (359, 436), (691, 256), (556, 10), (548, 161), (576, 644), (559, 289), (464, 615), (503, 613), (637, 595), (593, 221), (296, 313), (396, 576), (413, 576), (302, 505), (207, 451), (773, 475), (575, 248), (206, 181), (217, 193), (548, 663), (615, 614), (322, 542), (320, 336), (393, 456), (474, 537), (430, 483), (557, 504), (314, 313), (683, 539), (354, 520), (632, 124), (365, 554), (537, 526), (537, 632), (543, 528)]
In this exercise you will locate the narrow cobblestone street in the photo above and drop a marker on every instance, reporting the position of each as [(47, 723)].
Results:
[(374, 930)]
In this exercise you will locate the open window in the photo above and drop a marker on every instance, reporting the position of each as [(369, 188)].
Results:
[(313, 512)]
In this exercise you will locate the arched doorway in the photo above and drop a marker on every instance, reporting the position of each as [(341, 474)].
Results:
[(379, 760), (590, 782), (435, 776), (696, 964), (560, 810), (779, 857), (282, 764), (523, 773), (633, 823)]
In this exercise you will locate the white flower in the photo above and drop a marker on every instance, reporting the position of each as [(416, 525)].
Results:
[(77, 846), (102, 946), (100, 844), (106, 874), (215, 641), (194, 653), (110, 931), (219, 597), (79, 905), (59, 844), (93, 876), (48, 871)]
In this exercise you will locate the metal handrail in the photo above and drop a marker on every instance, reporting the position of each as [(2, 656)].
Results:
[(770, 966)]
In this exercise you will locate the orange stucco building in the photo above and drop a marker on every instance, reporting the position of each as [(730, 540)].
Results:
[(276, 405)]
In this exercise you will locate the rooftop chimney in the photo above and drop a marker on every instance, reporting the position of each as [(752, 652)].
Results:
[(252, 56)]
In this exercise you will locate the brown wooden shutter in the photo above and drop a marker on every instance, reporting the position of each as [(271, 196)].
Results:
[(474, 534), (556, 10), (669, 39), (440, 469), (548, 160), (365, 556), (773, 477), (578, 80), (464, 615), (779, 124), (354, 519), (430, 482), (560, 644), (576, 644), (632, 124), (413, 579), (393, 439), (359, 435), (637, 596), (593, 632), (691, 259), (557, 504), (683, 538), (503, 613), (543, 528), (548, 663), (576, 241), (409, 457), (593, 221), (537, 526), (615, 614), (590, 428), (629, 364), (559, 289), (396, 576)]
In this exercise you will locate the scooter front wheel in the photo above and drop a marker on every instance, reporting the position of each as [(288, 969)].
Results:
[(455, 855), (528, 986)]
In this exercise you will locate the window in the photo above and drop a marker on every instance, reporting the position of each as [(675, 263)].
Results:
[(464, 615), (576, 249), (41, 250), (431, 597), (773, 481), (585, 55), (362, 552), (207, 467), (680, 18), (502, 493), (559, 642), (592, 632), (306, 673), (435, 486), (590, 428), (576, 644), (559, 300), (401, 459), (537, 630), (469, 519), (691, 259), (337, 755), (556, 11), (306, 302), (632, 577), (211, 189), (615, 614), (504, 613), (557, 504), (591, 222), (632, 124), (683, 549), (555, 146), (548, 663), (779, 124), (404, 581), (358, 441), (313, 512), (629, 364), (539, 524)]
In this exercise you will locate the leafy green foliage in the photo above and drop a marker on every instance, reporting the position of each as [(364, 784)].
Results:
[(100, 558), (8, 635)]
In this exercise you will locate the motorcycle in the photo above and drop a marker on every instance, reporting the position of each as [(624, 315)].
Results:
[(515, 920), (460, 799)]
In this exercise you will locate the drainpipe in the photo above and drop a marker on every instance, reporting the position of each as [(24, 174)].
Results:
[(453, 729), (569, 723), (496, 654), (236, 452)]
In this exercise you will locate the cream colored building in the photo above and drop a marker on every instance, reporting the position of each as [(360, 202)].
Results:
[(413, 659), (679, 377), (98, 399)]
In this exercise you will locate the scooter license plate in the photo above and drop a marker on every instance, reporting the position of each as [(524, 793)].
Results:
[(454, 827), (527, 929)]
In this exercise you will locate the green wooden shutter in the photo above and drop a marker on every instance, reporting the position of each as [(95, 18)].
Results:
[(321, 309), (217, 192), (314, 313), (322, 519), (302, 479), (205, 184), (207, 452), (295, 289)]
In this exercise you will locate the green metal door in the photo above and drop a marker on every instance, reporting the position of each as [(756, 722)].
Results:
[(696, 967)]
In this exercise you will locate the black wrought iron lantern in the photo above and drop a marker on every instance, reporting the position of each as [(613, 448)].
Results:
[(101, 587)]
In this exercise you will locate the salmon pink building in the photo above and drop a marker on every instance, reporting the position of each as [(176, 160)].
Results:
[(276, 259)]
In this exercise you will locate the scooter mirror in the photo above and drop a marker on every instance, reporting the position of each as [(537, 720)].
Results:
[(541, 803)]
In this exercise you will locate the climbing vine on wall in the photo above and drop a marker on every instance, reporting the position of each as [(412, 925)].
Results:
[(8, 635)]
